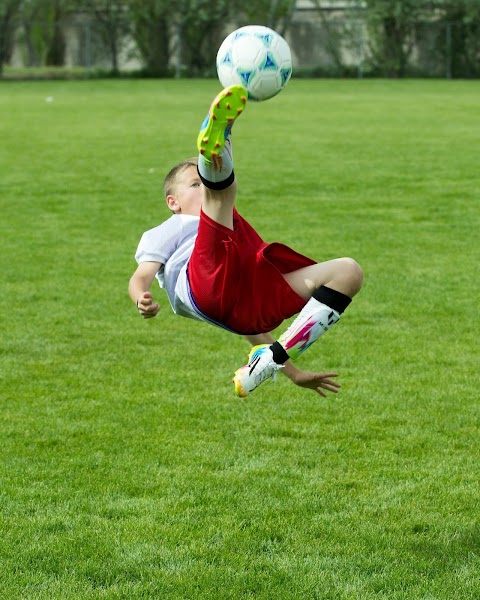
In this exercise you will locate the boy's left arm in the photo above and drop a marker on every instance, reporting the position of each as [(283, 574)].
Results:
[(318, 382)]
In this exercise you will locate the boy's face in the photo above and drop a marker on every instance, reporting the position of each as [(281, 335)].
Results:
[(188, 196)]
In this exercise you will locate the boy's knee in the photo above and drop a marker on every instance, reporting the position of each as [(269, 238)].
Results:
[(353, 272)]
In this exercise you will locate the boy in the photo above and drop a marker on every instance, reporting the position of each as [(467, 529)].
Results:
[(216, 268)]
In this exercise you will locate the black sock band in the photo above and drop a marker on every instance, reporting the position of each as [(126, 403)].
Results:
[(217, 185), (279, 354), (332, 298)]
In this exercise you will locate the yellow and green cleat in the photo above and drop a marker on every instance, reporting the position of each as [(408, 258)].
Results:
[(225, 108)]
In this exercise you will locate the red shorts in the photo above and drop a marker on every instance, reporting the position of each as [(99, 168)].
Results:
[(236, 278)]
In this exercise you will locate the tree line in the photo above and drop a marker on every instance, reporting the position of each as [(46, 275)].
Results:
[(158, 27)]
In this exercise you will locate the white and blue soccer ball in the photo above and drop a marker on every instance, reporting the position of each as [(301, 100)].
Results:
[(257, 58)]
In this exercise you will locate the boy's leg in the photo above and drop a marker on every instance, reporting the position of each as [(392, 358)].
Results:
[(328, 288), (341, 274), (215, 162)]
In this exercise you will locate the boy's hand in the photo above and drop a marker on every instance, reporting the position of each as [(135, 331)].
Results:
[(146, 306), (318, 382)]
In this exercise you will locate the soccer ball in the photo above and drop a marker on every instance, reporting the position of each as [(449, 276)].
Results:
[(257, 58)]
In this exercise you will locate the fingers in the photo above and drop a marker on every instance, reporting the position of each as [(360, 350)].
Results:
[(322, 382), (146, 307), (326, 375), (332, 386), (320, 391), (149, 311), (146, 299)]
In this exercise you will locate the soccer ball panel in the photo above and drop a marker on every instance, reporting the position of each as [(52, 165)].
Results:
[(257, 58)]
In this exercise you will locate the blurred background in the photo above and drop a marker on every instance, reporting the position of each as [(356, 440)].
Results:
[(165, 38)]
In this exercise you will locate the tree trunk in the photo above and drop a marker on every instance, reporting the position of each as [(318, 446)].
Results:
[(393, 51), (159, 47), (6, 35), (152, 36), (56, 50), (32, 56)]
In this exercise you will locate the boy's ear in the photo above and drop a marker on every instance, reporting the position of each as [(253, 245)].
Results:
[(172, 203)]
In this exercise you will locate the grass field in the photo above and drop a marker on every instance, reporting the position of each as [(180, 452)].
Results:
[(128, 469)]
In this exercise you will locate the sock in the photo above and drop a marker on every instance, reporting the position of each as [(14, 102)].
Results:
[(217, 173), (320, 313), (279, 354)]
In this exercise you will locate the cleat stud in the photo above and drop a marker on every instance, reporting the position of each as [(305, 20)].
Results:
[(239, 111), (214, 154), (217, 145), (205, 140), (228, 106), (230, 119), (229, 93), (202, 150), (214, 117), (243, 99), (217, 104)]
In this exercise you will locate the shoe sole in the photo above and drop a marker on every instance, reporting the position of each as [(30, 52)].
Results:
[(239, 391), (225, 108)]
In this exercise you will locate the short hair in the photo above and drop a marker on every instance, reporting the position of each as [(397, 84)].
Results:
[(171, 180)]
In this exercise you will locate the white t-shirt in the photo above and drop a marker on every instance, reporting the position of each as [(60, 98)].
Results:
[(171, 244)]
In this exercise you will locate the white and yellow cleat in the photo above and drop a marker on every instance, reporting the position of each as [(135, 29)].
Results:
[(261, 366)]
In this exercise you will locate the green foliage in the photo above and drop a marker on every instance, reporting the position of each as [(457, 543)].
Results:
[(151, 29), (395, 26), (276, 14), (9, 8), (8, 12), (112, 24), (192, 30), (189, 30), (128, 469), (201, 29), (391, 29), (182, 37), (37, 29), (462, 26)]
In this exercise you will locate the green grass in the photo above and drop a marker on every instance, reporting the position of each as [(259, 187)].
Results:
[(128, 470)]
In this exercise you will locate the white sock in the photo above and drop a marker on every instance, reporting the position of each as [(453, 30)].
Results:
[(220, 167), (313, 321)]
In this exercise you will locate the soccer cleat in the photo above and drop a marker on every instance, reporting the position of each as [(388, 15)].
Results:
[(225, 108), (260, 366)]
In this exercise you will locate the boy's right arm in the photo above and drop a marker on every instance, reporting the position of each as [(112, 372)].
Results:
[(139, 285)]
